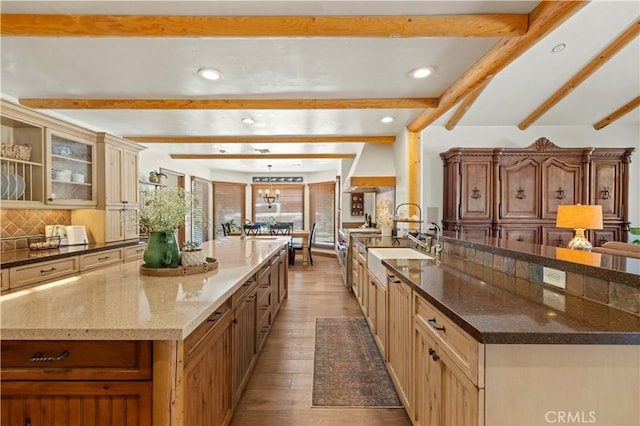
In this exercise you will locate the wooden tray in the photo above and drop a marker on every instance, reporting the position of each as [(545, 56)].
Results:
[(210, 265)]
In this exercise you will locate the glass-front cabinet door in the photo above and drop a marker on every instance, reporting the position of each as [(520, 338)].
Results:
[(71, 170)]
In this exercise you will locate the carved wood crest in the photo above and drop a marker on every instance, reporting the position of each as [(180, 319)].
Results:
[(544, 145)]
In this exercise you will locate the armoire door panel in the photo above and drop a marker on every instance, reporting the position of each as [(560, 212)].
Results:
[(476, 190), (560, 186), (606, 183), (520, 190)]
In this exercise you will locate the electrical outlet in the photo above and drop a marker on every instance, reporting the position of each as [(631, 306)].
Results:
[(554, 277)]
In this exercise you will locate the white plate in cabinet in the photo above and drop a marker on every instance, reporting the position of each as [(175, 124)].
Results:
[(100, 259), (20, 276), (134, 252)]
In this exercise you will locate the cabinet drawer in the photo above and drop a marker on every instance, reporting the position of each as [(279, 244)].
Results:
[(240, 295), (20, 276), (75, 360), (461, 347), (99, 260), (134, 252), (220, 317), (263, 291), (4, 279)]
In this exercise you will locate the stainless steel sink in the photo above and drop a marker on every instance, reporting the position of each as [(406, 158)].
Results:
[(375, 256)]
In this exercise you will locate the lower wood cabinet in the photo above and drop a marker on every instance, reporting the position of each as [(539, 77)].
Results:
[(245, 350), (100, 259), (371, 300), (399, 344), (72, 404), (208, 398), (381, 317), (444, 395), (76, 382), (41, 272)]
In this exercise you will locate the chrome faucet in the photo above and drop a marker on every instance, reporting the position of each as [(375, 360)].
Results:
[(436, 248)]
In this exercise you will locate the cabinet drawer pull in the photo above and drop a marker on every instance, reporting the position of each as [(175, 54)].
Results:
[(44, 271), (103, 258), (37, 357), (432, 323), (373, 283), (250, 299), (140, 250)]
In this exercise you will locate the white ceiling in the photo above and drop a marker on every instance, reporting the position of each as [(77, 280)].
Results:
[(312, 68)]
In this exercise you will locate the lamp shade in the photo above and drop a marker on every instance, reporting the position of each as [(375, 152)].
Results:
[(579, 216)]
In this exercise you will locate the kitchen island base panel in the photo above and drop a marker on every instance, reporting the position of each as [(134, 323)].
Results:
[(590, 384)]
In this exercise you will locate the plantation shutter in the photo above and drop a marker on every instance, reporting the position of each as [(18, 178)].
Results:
[(228, 204), (200, 211), (322, 212)]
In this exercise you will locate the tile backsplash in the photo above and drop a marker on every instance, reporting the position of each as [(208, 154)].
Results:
[(23, 223)]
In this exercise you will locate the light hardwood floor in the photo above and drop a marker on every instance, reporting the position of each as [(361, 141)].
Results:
[(279, 391)]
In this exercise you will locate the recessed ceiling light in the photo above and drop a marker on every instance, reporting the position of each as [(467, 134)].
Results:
[(422, 72), (558, 48), (321, 146), (248, 120), (387, 119), (210, 74)]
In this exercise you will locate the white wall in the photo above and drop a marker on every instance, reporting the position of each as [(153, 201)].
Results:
[(436, 139)]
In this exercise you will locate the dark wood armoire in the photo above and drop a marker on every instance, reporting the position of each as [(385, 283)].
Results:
[(514, 193)]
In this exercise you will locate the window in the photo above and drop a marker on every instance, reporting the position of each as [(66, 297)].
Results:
[(321, 211), (228, 204), (288, 207), (200, 212)]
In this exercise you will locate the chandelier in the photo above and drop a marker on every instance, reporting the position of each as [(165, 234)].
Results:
[(269, 196)]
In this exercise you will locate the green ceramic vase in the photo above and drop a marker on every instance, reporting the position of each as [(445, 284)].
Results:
[(162, 250)]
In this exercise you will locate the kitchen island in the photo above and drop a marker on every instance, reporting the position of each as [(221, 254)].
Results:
[(475, 336), (143, 341)]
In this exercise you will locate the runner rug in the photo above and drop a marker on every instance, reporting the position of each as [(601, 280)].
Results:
[(348, 369)]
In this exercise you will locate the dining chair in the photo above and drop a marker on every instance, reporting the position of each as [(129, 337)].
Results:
[(280, 229), (295, 246), (226, 229), (254, 229)]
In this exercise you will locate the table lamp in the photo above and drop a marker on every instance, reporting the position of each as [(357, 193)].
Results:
[(579, 218)]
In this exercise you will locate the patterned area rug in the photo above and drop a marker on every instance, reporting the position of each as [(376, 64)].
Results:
[(348, 369)]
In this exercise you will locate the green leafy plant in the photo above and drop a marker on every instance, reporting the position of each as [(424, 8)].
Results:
[(165, 209), (156, 176), (191, 246), (635, 231)]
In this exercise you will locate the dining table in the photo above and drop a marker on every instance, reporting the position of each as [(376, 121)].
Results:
[(296, 233)]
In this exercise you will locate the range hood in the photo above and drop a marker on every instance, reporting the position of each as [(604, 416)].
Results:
[(372, 170)]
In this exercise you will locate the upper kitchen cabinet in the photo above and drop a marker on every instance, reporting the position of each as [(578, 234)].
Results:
[(119, 160), (70, 169), (116, 218), (21, 158), (514, 193)]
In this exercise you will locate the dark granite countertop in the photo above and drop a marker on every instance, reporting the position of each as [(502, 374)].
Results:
[(493, 315), (26, 256), (620, 269), (374, 241)]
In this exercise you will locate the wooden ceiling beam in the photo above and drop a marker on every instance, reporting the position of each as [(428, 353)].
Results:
[(260, 156), (465, 105), (481, 25), (281, 104), (599, 60), (629, 106), (385, 140), (542, 20)]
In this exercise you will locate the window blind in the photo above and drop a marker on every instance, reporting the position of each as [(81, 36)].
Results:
[(322, 212)]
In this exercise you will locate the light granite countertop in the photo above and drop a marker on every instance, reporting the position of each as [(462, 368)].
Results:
[(118, 303)]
